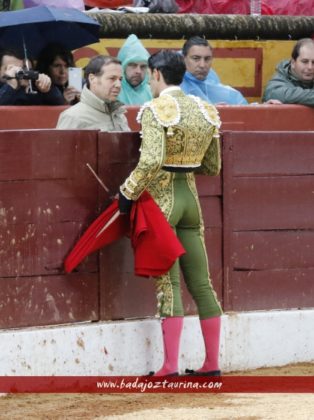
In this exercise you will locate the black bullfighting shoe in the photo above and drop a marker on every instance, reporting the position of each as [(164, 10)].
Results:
[(152, 373), (191, 372)]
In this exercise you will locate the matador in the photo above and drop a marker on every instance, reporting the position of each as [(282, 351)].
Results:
[(180, 138)]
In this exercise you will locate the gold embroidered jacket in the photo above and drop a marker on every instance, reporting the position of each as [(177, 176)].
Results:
[(178, 130)]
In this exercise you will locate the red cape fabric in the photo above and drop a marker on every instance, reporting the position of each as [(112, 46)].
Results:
[(92, 239), (155, 245), (269, 7)]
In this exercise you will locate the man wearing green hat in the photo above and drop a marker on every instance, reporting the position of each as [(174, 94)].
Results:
[(135, 89)]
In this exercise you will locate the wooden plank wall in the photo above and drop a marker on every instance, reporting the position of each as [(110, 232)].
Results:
[(123, 295), (258, 223), (46, 198), (268, 220), (238, 118)]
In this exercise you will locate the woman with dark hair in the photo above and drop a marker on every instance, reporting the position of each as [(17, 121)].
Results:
[(55, 60)]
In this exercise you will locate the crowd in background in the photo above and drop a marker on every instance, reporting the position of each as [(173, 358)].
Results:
[(129, 84), (293, 82)]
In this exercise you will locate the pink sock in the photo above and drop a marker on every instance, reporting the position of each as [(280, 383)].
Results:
[(211, 334), (171, 331)]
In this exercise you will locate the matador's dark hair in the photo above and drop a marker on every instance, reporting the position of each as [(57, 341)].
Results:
[(170, 64)]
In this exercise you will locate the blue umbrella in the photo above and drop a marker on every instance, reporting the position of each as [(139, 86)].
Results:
[(34, 28)]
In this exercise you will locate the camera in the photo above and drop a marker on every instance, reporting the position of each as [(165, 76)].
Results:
[(27, 75)]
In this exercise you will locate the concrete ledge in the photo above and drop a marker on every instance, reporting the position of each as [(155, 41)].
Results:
[(249, 340)]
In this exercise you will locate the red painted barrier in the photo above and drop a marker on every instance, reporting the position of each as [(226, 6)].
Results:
[(268, 206), (46, 196), (47, 199), (252, 117), (258, 224)]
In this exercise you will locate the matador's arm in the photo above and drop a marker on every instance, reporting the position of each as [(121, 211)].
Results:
[(151, 158)]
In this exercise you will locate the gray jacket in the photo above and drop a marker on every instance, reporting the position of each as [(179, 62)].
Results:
[(94, 113), (286, 87)]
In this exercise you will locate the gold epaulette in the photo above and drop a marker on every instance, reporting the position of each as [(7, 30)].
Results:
[(165, 108), (209, 111)]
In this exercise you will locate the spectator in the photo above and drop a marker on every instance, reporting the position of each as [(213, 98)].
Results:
[(294, 81), (98, 107), (55, 61), (200, 80), (135, 89), (15, 89), (158, 6)]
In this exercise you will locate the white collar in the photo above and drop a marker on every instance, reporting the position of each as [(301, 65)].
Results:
[(169, 89)]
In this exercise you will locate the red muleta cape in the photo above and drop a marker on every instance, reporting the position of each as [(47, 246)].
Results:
[(156, 246)]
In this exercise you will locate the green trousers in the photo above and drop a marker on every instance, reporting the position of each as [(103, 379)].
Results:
[(186, 219)]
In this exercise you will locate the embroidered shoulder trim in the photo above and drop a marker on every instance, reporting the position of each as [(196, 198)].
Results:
[(140, 112), (210, 112), (166, 110)]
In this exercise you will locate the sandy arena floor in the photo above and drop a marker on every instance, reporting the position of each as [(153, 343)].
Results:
[(166, 406)]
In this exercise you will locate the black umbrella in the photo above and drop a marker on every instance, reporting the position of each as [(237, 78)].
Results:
[(32, 29)]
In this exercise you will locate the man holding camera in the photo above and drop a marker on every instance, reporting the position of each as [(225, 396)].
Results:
[(19, 85)]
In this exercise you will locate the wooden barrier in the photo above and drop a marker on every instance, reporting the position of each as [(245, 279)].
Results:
[(268, 220), (256, 117), (122, 294), (29, 117), (47, 199), (258, 225), (46, 195), (252, 117)]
